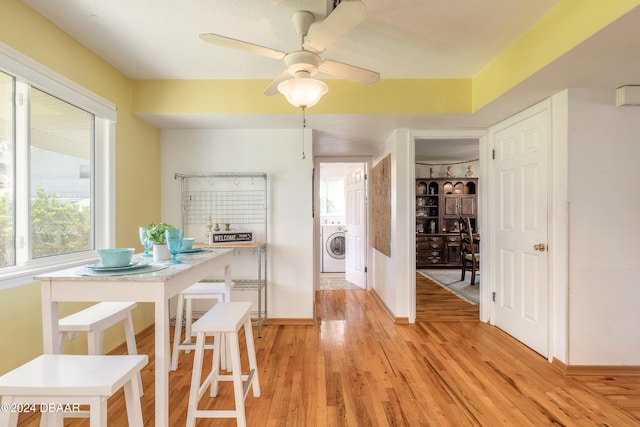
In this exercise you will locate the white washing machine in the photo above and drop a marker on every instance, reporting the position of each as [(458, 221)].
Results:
[(333, 249)]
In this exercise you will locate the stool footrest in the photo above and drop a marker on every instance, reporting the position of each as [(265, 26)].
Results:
[(192, 346), (216, 413)]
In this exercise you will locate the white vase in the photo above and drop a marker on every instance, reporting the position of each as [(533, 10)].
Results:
[(161, 253)]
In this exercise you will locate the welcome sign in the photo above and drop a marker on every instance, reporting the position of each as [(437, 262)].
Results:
[(232, 237)]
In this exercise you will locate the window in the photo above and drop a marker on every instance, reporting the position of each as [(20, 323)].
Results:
[(332, 197), (7, 196), (61, 141), (56, 170)]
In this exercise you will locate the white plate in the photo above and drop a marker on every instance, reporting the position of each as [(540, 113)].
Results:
[(100, 267), (194, 250)]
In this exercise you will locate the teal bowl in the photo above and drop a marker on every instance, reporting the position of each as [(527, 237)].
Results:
[(187, 243), (117, 257)]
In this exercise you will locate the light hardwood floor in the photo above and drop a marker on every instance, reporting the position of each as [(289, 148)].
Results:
[(355, 367), (435, 304)]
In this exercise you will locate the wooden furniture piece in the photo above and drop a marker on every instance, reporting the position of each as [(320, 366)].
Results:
[(198, 291), (238, 199), (94, 320), (469, 247), (226, 318), (156, 287), (62, 382), (439, 203)]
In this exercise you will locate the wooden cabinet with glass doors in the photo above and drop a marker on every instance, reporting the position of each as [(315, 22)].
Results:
[(439, 203)]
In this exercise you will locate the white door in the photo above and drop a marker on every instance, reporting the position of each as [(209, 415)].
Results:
[(355, 226), (521, 289)]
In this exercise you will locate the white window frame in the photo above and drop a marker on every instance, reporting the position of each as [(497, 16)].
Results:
[(27, 70)]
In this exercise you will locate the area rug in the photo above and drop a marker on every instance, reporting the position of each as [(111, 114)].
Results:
[(450, 280), (337, 284)]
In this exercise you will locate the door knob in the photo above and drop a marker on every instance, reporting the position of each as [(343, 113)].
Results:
[(539, 247)]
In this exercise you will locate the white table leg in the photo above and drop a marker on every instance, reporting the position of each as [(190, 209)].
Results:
[(226, 358), (162, 362), (50, 330)]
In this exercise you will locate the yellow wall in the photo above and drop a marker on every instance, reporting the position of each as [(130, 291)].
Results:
[(137, 177), (559, 31), (437, 96)]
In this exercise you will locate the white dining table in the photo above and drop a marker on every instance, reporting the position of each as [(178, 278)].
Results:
[(72, 284)]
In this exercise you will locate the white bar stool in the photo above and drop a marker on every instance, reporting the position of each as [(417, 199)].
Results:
[(225, 318), (94, 320), (58, 383), (197, 291)]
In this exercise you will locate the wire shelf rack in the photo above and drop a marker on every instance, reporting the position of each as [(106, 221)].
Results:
[(234, 198)]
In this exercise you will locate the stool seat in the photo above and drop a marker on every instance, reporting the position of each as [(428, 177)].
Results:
[(224, 319), (205, 288), (97, 317), (74, 379)]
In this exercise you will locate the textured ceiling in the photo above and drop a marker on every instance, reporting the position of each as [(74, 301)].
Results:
[(158, 39)]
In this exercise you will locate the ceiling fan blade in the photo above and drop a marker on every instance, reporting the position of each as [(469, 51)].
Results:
[(344, 18), (272, 89), (223, 41), (349, 72)]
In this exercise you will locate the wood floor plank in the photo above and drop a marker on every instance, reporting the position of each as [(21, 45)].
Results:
[(434, 303), (355, 367)]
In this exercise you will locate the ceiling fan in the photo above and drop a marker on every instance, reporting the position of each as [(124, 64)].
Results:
[(304, 63)]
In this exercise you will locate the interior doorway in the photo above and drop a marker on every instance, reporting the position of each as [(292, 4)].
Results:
[(441, 165), (342, 223)]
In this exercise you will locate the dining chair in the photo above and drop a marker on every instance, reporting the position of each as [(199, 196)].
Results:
[(469, 249)]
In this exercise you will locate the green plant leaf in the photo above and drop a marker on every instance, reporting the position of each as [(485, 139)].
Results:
[(155, 232)]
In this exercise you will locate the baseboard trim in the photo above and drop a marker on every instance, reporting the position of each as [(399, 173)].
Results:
[(596, 370), (287, 321), (396, 320)]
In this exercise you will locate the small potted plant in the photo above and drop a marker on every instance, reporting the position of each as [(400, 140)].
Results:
[(156, 233)]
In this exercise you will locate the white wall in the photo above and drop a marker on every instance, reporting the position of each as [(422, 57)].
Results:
[(289, 205), (604, 223), (391, 274)]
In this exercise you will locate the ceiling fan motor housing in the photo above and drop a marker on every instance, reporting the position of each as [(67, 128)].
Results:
[(302, 60)]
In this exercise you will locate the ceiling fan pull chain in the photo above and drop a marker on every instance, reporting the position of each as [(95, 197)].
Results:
[(304, 125)]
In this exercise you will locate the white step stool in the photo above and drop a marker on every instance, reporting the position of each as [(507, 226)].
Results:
[(94, 320), (200, 290), (61, 382), (225, 318)]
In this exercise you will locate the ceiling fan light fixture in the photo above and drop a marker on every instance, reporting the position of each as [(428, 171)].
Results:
[(303, 92)]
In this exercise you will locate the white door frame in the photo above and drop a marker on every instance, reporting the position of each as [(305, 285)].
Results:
[(316, 215), (482, 136)]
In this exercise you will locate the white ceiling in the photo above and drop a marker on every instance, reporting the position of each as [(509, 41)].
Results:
[(158, 39)]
